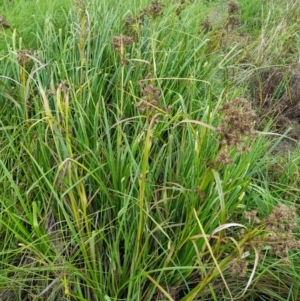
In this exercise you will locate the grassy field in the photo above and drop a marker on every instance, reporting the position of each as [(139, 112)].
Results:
[(149, 150)]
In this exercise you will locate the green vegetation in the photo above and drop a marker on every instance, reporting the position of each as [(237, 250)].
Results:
[(149, 150)]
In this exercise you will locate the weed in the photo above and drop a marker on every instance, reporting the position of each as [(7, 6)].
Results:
[(130, 152)]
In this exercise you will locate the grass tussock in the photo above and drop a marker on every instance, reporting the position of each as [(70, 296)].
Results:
[(149, 151)]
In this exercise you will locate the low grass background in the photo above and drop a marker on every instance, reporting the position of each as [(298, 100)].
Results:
[(148, 151)]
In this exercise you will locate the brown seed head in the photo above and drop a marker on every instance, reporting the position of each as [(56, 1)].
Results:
[(150, 95), (131, 25), (224, 157), (206, 26), (24, 57), (279, 233), (251, 216), (234, 21), (237, 122), (233, 7), (155, 9), (239, 267), (4, 23), (121, 42)]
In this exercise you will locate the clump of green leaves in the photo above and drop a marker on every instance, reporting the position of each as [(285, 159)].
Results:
[(128, 158)]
